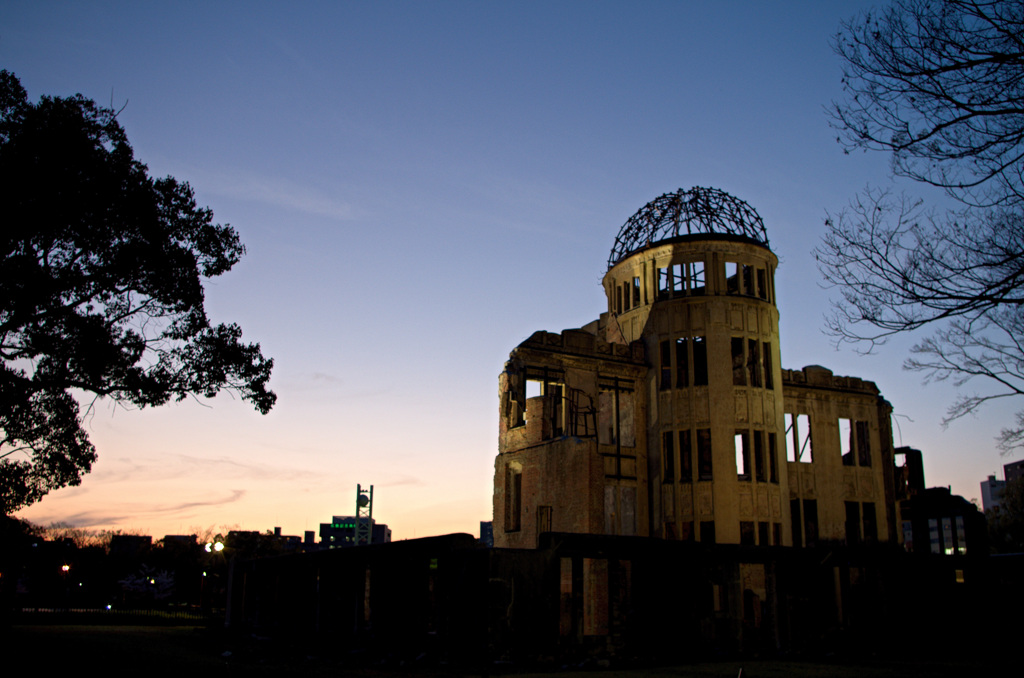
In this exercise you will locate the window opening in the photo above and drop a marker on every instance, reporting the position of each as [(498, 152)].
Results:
[(747, 533), (870, 523), (666, 365), (753, 363), (863, 444), (704, 470), (741, 442), (769, 377), (762, 534), (748, 280), (773, 463), (682, 362), (811, 522), (678, 280), (700, 361), (513, 498), (759, 473), (798, 438), (762, 284), (685, 457), (664, 284), (668, 455), (696, 278), (732, 278), (795, 522), (846, 441), (636, 292), (738, 373), (707, 531), (852, 523)]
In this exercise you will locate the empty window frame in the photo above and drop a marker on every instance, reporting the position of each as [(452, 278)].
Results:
[(855, 442), (759, 470), (668, 455), (666, 365), (762, 284), (870, 522), (773, 459), (747, 533), (732, 277), (741, 443), (615, 412), (685, 457), (700, 361), (683, 362), (766, 362), (684, 279), (754, 363), (704, 468), (762, 534), (852, 523), (739, 375), (798, 438), (636, 292), (513, 498)]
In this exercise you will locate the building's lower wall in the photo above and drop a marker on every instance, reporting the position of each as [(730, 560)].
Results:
[(446, 599)]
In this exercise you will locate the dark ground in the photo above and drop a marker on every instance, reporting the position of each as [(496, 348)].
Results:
[(190, 651)]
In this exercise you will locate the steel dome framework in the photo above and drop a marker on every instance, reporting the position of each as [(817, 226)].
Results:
[(687, 212)]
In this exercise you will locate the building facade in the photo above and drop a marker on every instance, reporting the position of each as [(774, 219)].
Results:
[(670, 415)]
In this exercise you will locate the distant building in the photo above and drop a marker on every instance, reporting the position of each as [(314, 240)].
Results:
[(938, 522), (341, 532), (1013, 471), (991, 493)]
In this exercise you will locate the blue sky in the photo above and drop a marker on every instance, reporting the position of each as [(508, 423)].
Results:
[(420, 186)]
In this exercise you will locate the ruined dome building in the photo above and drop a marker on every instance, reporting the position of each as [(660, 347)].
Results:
[(670, 416)]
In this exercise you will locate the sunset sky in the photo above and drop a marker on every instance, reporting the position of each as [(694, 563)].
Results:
[(422, 185)]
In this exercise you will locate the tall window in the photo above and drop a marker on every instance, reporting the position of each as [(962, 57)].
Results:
[(700, 361), (704, 471), (685, 457), (668, 455), (798, 438), (513, 498), (742, 446), (682, 362)]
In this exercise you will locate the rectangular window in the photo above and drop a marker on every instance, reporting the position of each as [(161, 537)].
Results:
[(664, 284), (682, 362), (795, 522), (747, 533), (759, 473), (777, 534), (863, 444), (947, 536), (762, 284), (618, 299), (704, 471), (685, 457), (707, 531), (748, 280), (811, 522), (961, 534), (773, 459), (513, 498), (732, 278), (636, 292), (753, 363), (846, 441), (739, 377), (798, 438), (678, 280), (696, 278), (666, 365), (543, 519), (870, 523), (625, 295), (700, 361), (769, 376), (762, 534), (742, 445), (852, 523), (668, 454)]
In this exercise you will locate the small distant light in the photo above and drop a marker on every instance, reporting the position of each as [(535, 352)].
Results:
[(209, 547), (152, 581), (219, 546), (109, 607), (65, 568)]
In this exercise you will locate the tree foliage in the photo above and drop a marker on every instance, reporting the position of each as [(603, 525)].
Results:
[(101, 289), (938, 84)]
